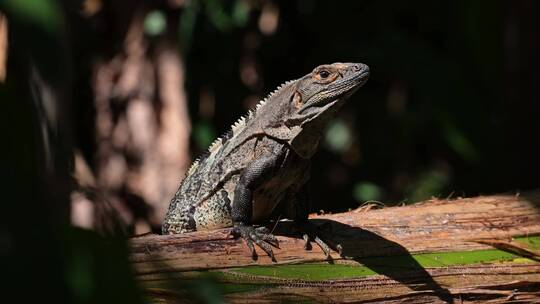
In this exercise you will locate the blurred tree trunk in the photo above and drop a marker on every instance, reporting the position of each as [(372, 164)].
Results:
[(142, 125)]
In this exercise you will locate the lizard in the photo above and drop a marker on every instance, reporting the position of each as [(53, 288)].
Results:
[(259, 168)]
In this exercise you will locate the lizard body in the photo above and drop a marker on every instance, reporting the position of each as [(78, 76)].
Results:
[(258, 169)]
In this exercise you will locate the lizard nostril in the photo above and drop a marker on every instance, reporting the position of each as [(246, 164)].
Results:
[(356, 67)]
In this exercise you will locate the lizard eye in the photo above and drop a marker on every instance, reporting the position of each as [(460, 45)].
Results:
[(324, 74)]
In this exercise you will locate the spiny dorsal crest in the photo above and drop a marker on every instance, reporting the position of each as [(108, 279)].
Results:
[(241, 123), (238, 125), (215, 145), (236, 129), (193, 167)]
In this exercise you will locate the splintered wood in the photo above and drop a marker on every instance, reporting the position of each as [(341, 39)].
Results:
[(395, 254)]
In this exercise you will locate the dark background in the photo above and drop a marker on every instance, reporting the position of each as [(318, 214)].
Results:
[(451, 110)]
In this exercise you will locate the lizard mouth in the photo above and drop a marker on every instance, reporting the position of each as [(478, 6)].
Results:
[(318, 108), (346, 89)]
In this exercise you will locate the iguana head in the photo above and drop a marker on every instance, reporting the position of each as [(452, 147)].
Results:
[(326, 85), (307, 104)]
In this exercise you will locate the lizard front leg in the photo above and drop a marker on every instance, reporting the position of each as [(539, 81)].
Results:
[(310, 233), (256, 173)]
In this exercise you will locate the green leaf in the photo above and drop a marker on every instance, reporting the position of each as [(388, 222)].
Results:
[(320, 271)]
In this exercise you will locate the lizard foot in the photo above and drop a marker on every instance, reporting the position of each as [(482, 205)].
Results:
[(310, 233), (260, 236)]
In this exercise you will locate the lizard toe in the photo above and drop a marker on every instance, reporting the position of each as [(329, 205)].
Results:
[(311, 233), (307, 242), (259, 236)]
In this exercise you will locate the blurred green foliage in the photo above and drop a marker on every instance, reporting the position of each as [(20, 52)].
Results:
[(203, 134), (96, 269), (429, 184), (223, 15), (366, 191), (45, 14), (154, 23), (338, 136), (225, 19)]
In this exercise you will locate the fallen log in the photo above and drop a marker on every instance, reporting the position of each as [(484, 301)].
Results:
[(469, 250)]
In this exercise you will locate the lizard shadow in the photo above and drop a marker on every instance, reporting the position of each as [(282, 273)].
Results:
[(383, 256)]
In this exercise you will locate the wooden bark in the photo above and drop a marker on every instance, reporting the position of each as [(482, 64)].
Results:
[(388, 241)]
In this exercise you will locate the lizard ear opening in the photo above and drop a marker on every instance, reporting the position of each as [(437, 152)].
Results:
[(297, 100)]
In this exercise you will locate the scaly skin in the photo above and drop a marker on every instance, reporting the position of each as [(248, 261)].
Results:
[(258, 169)]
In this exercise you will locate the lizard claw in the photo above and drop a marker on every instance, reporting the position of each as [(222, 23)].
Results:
[(260, 236), (310, 234)]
